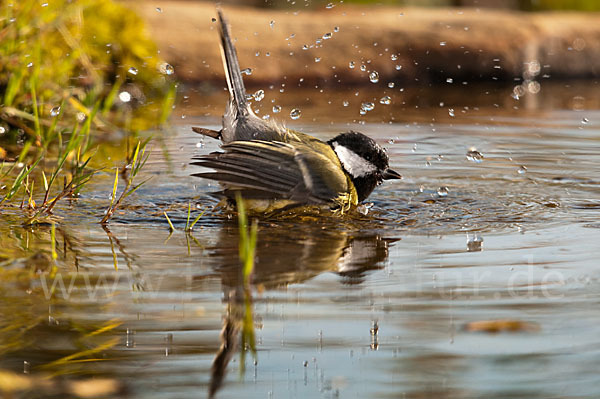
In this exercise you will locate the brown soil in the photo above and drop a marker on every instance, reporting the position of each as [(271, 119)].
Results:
[(432, 45)]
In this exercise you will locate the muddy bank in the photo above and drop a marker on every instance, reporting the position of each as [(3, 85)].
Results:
[(405, 45)]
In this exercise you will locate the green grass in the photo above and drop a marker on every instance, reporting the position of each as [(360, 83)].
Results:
[(248, 236), (59, 96), (131, 169), (247, 253)]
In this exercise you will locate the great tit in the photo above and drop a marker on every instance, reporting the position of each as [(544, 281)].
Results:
[(275, 168)]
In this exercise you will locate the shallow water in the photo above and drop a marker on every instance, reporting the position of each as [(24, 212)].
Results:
[(383, 305)]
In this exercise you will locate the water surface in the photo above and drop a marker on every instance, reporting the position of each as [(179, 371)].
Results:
[(402, 302)]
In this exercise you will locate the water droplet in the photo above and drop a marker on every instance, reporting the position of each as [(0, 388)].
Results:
[(474, 243), (442, 191), (391, 85), (442, 44), (30, 65), (124, 96), (305, 363), (259, 95), (346, 103), (2, 130), (44, 4), (533, 68), (317, 59), (363, 67), (246, 71), (387, 100), (522, 170), (474, 156), (367, 106), (518, 92), (449, 80), (327, 36), (272, 24), (55, 111), (336, 29), (398, 67), (295, 113), (374, 77), (533, 87), (351, 65), (213, 19), (266, 117), (81, 116), (166, 68), (451, 112), (276, 108), (329, 5), (133, 70), (158, 9), (585, 121), (305, 47), (394, 57), (374, 328)]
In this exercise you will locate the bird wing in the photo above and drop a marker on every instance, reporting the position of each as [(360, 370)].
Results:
[(275, 170)]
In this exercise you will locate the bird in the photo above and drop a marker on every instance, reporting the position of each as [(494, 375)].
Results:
[(275, 168)]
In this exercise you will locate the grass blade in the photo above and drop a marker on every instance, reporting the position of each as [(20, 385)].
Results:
[(169, 221), (114, 190), (196, 220)]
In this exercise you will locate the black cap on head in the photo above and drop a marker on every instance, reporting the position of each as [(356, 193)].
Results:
[(363, 146)]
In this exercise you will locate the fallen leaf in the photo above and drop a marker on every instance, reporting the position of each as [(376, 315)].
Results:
[(94, 387), (501, 325)]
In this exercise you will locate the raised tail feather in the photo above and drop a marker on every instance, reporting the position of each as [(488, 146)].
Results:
[(235, 83)]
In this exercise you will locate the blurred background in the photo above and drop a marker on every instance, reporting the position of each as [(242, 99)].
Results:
[(524, 5)]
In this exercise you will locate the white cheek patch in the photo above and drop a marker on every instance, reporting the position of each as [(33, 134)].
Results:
[(354, 164)]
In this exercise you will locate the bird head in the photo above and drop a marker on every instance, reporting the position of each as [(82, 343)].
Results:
[(365, 161)]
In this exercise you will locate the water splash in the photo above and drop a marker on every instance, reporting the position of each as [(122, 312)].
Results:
[(443, 191), (374, 77), (124, 96), (367, 106), (474, 156), (259, 95), (166, 68)]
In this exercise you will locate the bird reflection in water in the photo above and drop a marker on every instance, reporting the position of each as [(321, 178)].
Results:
[(283, 256)]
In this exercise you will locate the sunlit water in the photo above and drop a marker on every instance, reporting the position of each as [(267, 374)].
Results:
[(383, 305)]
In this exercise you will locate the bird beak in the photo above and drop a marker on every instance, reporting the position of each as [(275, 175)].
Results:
[(390, 174)]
